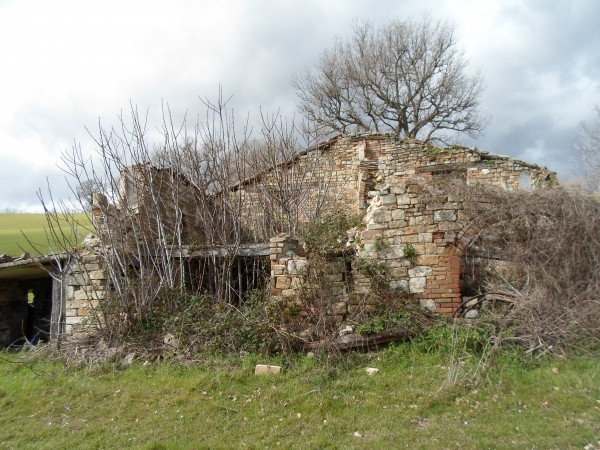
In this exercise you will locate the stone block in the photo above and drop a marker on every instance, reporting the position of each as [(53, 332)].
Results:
[(397, 189), (417, 285), (85, 312), (399, 285), (77, 279), (420, 271), (74, 320), (398, 214), (399, 272), (444, 215), (371, 234), (410, 238), (427, 303), (381, 216), (398, 224), (339, 308), (98, 275), (376, 226), (283, 283), (425, 238), (297, 266), (389, 199), (403, 199), (266, 369)]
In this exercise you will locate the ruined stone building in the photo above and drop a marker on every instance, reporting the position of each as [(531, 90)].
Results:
[(408, 222)]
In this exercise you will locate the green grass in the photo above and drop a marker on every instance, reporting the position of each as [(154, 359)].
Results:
[(13, 226), (314, 404)]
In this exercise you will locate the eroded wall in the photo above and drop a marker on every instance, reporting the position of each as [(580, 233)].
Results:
[(415, 224)]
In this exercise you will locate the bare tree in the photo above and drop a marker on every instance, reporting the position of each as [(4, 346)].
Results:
[(407, 77), (85, 191), (589, 151), (170, 217)]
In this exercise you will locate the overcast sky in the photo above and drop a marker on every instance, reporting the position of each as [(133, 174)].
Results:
[(67, 64)]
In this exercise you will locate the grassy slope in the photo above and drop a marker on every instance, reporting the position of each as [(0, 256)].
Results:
[(12, 227), (312, 405)]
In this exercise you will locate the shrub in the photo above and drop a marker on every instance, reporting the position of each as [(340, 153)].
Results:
[(329, 236), (550, 242)]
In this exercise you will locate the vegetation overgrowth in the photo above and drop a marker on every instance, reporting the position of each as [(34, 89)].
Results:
[(19, 231), (422, 396)]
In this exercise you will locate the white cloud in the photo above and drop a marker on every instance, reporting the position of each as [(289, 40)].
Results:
[(67, 63)]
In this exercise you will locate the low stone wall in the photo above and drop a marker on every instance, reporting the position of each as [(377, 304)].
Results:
[(292, 271), (86, 285)]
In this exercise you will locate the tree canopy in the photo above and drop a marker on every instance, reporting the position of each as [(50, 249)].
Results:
[(407, 77)]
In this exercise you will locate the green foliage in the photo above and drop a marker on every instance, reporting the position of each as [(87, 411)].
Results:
[(409, 252), (393, 315), (378, 270), (204, 323), (381, 246), (328, 237), (446, 338)]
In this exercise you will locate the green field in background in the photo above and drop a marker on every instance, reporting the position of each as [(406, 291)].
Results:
[(16, 229)]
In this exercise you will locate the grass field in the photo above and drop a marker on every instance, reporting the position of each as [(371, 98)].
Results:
[(13, 226), (315, 404)]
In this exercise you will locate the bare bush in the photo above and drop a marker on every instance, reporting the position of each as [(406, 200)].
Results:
[(545, 248), (172, 216)]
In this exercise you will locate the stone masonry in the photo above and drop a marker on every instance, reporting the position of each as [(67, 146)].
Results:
[(420, 234), (390, 181)]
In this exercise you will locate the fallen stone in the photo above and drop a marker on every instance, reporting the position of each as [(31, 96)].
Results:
[(128, 360), (347, 330), (266, 369), (171, 341), (472, 314), (372, 371)]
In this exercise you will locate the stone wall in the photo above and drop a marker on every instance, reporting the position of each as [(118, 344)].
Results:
[(86, 285), (411, 226), (417, 233), (315, 183), (293, 273)]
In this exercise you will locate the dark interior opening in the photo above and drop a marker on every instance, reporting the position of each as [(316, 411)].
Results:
[(25, 311), (232, 280)]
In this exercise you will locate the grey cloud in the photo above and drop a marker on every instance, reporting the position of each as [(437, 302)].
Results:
[(257, 59)]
